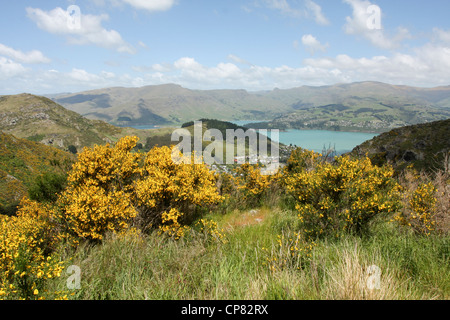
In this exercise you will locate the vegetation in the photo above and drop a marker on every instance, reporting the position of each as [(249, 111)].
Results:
[(425, 146), (140, 226), (29, 168), (39, 119)]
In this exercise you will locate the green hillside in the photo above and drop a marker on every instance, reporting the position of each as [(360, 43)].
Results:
[(426, 146), (42, 120), (22, 162), (220, 148)]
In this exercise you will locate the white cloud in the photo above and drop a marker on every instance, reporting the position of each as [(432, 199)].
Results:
[(308, 9), (151, 5), (358, 24), (316, 10), (32, 57), (442, 36), (142, 45), (88, 31), (283, 6), (425, 66), (10, 69), (313, 44)]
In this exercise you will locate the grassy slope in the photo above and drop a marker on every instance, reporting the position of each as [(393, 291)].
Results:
[(412, 267), (21, 161), (42, 120), (424, 145)]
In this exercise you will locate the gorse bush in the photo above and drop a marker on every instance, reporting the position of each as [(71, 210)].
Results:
[(249, 187), (110, 188), (27, 242), (343, 196), (164, 185), (170, 226), (425, 202), (251, 183), (210, 231), (98, 196)]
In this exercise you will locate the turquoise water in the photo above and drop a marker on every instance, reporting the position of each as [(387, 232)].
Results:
[(317, 140)]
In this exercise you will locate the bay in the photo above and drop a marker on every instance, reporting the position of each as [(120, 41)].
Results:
[(315, 140), (318, 140)]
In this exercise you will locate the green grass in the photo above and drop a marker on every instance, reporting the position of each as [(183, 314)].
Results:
[(412, 267)]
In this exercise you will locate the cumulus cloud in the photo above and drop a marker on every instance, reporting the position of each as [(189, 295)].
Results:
[(32, 57), (10, 68), (362, 23), (425, 66), (312, 44), (87, 31)]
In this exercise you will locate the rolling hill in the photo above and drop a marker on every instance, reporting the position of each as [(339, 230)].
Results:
[(21, 162), (42, 120), (426, 146), (363, 106), (169, 104)]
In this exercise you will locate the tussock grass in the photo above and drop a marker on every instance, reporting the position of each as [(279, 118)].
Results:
[(151, 267)]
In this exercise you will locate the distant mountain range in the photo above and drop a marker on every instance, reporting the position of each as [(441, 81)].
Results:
[(362, 106)]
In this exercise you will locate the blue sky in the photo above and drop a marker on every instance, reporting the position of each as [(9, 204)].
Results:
[(68, 46)]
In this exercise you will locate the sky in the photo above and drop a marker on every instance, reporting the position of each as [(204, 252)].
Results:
[(51, 46)]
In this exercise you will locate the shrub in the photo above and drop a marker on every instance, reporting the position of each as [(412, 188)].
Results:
[(425, 202), (251, 183), (293, 251), (210, 231), (46, 187), (171, 227), (72, 149), (98, 198), (164, 185), (26, 260), (344, 196), (110, 188)]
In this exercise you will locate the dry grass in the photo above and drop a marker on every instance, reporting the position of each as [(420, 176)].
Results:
[(356, 278)]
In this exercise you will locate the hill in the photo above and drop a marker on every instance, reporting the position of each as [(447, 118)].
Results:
[(363, 106), (22, 162), (366, 106), (426, 146), (220, 147), (169, 104), (42, 120)]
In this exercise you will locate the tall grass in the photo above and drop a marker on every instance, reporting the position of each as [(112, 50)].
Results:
[(151, 267)]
